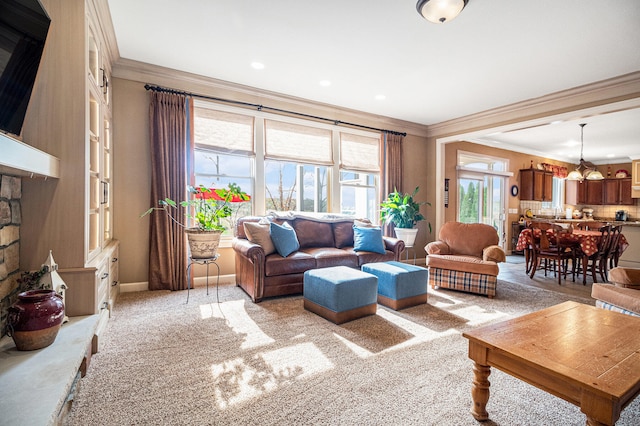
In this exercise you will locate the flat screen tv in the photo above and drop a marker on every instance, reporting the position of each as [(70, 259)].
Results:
[(24, 25)]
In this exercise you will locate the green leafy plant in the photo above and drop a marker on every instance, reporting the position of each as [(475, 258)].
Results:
[(207, 208), (402, 210)]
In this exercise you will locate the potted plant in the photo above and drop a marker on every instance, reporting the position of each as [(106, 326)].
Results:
[(404, 212), (205, 209)]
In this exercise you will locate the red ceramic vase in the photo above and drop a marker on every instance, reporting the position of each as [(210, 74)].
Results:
[(35, 319)]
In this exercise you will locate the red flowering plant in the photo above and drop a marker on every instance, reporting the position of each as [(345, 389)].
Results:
[(208, 206)]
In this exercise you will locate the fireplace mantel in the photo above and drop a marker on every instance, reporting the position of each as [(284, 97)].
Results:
[(20, 159)]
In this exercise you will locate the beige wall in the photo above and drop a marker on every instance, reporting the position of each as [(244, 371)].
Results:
[(132, 173)]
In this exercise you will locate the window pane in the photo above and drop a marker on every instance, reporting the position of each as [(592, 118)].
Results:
[(298, 143), (469, 200), (280, 185), (210, 168), (296, 187), (210, 163), (359, 195)]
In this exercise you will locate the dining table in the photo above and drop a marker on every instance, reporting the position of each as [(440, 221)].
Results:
[(587, 240)]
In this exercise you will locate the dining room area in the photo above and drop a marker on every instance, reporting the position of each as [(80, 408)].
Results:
[(577, 251)]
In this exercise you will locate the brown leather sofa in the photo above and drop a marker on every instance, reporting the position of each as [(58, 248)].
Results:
[(465, 257), (324, 242)]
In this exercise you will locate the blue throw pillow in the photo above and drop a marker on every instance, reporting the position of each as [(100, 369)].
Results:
[(284, 238), (368, 239)]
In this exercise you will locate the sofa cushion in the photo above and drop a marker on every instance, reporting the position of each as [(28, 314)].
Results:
[(626, 298), (260, 233), (296, 263), (371, 257), (462, 263), (284, 238), (343, 234), (368, 239), (313, 233), (331, 256)]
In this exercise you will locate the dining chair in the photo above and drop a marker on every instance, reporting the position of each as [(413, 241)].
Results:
[(597, 262), (551, 249), (590, 225), (614, 247)]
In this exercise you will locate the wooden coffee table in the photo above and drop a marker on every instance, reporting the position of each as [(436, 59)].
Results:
[(585, 355)]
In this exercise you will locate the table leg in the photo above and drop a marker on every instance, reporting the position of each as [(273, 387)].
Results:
[(480, 391), (593, 422)]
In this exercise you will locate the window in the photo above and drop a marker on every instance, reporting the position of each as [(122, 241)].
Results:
[(557, 196), (359, 175), (285, 163), (300, 184), (223, 154)]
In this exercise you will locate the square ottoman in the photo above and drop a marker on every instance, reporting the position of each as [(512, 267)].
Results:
[(400, 285), (340, 293)]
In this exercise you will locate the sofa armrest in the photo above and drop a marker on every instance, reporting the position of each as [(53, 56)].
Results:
[(395, 245), (438, 247), (494, 254), (247, 249), (249, 266), (625, 277)]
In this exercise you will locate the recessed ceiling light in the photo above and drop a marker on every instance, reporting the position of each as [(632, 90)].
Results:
[(325, 83), (556, 122), (381, 97), (610, 155), (257, 65)]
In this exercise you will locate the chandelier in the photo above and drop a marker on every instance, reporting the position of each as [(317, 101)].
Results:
[(440, 11), (586, 169)]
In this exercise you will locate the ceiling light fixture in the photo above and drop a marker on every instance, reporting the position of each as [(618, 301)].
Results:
[(586, 169), (440, 11)]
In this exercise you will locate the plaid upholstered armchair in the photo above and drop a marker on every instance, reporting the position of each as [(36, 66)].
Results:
[(465, 257)]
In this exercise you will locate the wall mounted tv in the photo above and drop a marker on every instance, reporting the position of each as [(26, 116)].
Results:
[(24, 25)]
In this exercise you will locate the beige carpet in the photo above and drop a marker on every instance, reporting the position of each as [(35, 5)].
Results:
[(202, 363)]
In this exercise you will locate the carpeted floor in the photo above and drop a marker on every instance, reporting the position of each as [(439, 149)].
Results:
[(273, 363)]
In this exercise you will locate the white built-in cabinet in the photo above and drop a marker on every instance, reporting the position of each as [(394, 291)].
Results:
[(70, 117)]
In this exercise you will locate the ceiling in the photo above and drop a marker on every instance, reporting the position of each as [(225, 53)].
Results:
[(497, 52)]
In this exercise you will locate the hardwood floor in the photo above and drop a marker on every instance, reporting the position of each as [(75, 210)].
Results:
[(514, 271)]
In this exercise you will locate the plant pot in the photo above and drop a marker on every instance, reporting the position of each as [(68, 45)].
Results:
[(35, 319), (408, 235), (203, 244)]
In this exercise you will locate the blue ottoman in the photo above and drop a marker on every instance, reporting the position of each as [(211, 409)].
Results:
[(400, 285), (339, 293)]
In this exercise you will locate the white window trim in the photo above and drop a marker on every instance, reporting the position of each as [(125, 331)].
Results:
[(259, 145)]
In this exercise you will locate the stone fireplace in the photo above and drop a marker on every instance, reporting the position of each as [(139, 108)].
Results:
[(10, 194)]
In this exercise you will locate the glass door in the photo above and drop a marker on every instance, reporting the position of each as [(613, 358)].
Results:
[(481, 191)]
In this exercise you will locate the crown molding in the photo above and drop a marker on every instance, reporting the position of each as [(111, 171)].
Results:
[(100, 9), (610, 91), (152, 74)]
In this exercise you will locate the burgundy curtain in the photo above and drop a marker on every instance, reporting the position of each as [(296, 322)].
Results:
[(392, 169), (393, 164), (168, 121)]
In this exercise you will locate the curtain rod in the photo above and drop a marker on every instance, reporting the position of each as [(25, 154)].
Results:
[(268, 108)]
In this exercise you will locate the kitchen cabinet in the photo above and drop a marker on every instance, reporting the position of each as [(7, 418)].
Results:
[(594, 192), (617, 192), (599, 192), (536, 185), (575, 192)]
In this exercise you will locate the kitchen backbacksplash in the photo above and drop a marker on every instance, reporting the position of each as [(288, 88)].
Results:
[(600, 212)]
